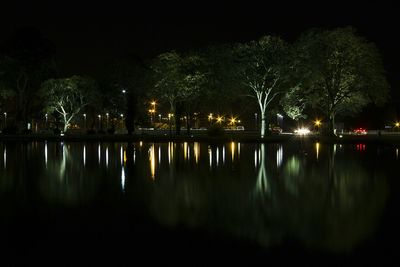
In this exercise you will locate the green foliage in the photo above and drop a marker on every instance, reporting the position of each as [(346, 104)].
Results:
[(294, 104), (178, 78), (341, 71), (67, 96)]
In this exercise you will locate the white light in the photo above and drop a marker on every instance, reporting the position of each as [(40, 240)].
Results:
[(302, 131)]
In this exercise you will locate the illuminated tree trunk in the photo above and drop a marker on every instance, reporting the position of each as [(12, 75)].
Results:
[(263, 124)]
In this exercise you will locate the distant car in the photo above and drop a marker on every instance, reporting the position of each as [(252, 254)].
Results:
[(360, 131), (240, 128)]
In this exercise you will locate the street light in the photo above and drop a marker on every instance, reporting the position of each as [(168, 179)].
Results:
[(219, 119), (317, 123), (123, 91)]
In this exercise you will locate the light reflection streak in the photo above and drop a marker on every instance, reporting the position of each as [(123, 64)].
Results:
[(121, 155), (124, 153), (185, 151), (99, 152), (279, 156), (152, 159), (238, 150), (397, 153), (45, 153), (196, 149), (317, 149), (123, 178), (107, 157), (255, 158), (84, 155), (210, 156), (217, 156), (223, 155), (233, 151), (170, 152), (159, 155), (5, 157), (334, 149)]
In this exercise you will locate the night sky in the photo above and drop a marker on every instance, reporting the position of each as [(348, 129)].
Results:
[(88, 34)]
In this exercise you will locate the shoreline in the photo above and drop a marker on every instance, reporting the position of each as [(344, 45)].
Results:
[(242, 137)]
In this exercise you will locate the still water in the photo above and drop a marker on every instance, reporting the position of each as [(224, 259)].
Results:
[(228, 200)]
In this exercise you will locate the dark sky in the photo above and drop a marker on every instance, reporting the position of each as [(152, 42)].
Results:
[(88, 33)]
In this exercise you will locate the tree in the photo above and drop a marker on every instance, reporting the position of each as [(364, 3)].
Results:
[(67, 96), (27, 59), (124, 84), (263, 67), (341, 72), (178, 79), (294, 103)]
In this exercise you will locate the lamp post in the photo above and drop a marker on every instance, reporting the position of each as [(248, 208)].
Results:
[(46, 116), (256, 123), (107, 116), (279, 119), (84, 120), (169, 122), (153, 111), (317, 124), (99, 116), (122, 120)]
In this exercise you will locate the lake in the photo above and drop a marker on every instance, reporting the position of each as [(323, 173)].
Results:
[(78, 203)]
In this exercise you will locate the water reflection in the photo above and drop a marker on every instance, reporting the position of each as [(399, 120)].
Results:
[(333, 204)]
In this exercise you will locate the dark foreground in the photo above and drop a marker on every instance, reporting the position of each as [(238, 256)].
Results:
[(111, 204)]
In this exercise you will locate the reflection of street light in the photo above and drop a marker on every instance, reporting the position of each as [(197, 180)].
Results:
[(5, 119)]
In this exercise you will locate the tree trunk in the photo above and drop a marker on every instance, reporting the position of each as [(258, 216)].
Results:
[(331, 128), (178, 113), (65, 122), (187, 123), (263, 124)]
